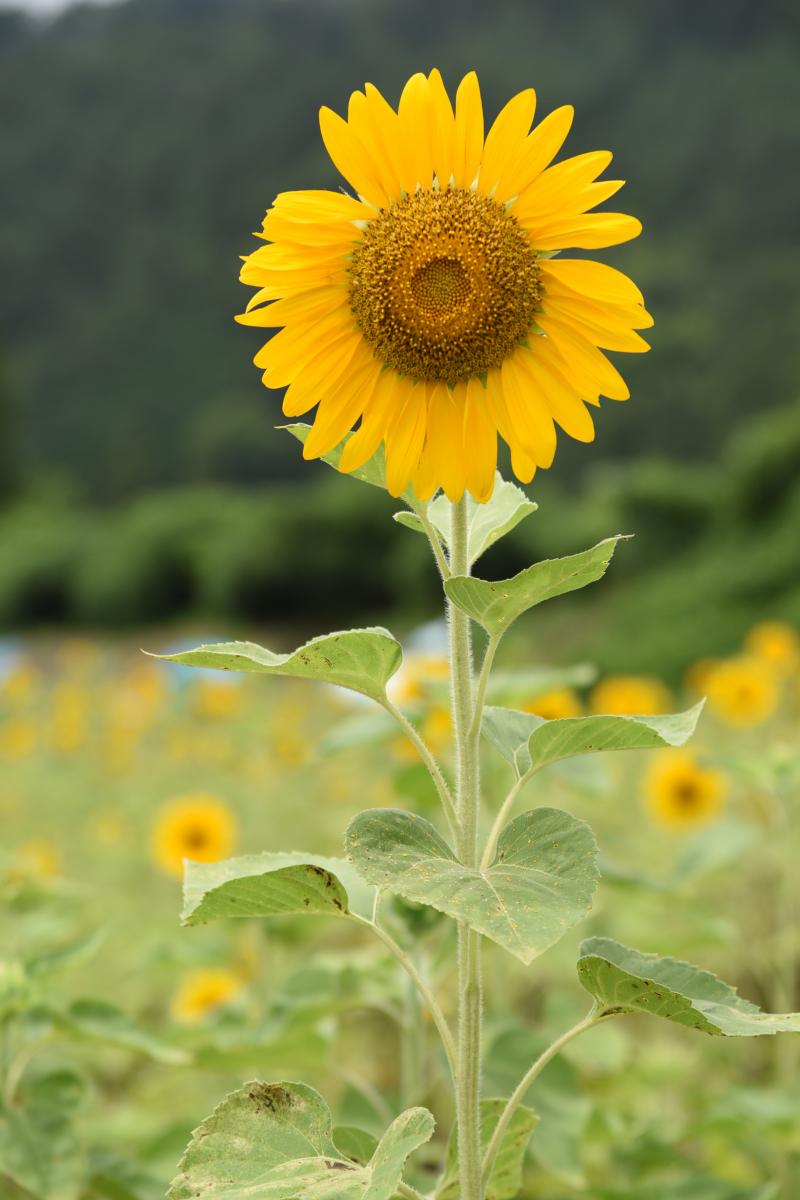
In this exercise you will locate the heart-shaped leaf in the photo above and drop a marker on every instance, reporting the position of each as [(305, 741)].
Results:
[(362, 660), (505, 1179), (626, 980), (486, 523), (529, 742), (496, 606), (275, 1142), (540, 883)]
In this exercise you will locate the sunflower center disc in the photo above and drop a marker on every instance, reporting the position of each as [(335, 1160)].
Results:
[(444, 285)]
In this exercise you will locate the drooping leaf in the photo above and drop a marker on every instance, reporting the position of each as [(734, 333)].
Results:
[(505, 1179), (540, 883), (486, 523), (266, 885), (627, 980), (275, 1142), (497, 605), (362, 660), (529, 742)]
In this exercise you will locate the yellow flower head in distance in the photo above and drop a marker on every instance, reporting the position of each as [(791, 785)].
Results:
[(630, 695), (555, 705), (680, 793), (198, 827), (214, 699), (776, 643), (743, 691), (432, 304), (203, 992), (417, 674)]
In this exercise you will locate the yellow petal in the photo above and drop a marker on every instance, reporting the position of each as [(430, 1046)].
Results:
[(522, 464), (405, 439), (562, 181), (563, 403), (590, 232), (321, 205), (348, 155), (387, 398), (593, 279), (574, 348), (318, 377), (468, 134), (390, 130), (287, 351), (416, 119), (443, 127), (530, 418), (442, 460), (539, 149), (505, 139), (603, 332), (628, 316), (305, 306), (341, 408), (339, 234), (480, 442)]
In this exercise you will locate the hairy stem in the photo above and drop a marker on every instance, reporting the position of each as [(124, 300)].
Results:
[(467, 807)]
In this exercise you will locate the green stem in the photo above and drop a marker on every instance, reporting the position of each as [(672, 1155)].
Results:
[(433, 538), (438, 1017), (434, 770), (410, 1193), (483, 683), (518, 1095), (467, 807), (499, 821)]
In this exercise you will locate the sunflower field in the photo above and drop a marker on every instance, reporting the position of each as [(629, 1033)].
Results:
[(120, 1029)]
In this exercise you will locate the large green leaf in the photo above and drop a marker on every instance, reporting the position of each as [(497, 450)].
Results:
[(275, 1142), (270, 885), (495, 606), (362, 660), (505, 1179), (626, 980), (529, 742), (486, 523), (540, 883)]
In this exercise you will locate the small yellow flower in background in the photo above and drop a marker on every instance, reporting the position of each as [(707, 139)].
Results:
[(108, 828), (681, 794), (698, 674), (555, 705), (630, 695), (70, 722), (417, 674), (198, 827), (743, 691), (38, 859), (18, 738), (22, 683), (203, 992), (776, 643), (437, 728), (214, 700), (430, 305)]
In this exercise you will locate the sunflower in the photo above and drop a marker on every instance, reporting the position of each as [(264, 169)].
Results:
[(743, 691), (431, 305), (198, 827), (630, 695), (203, 992), (555, 705), (776, 643), (679, 792)]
